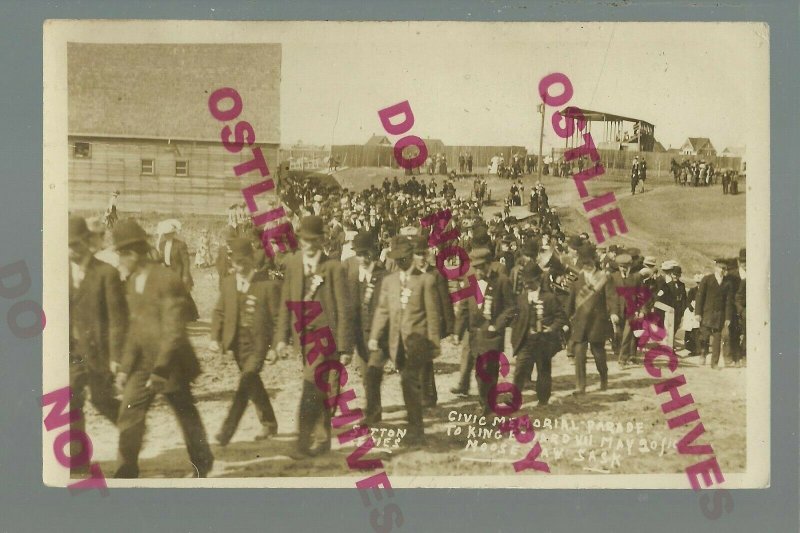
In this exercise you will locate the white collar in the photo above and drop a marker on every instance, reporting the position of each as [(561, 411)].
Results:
[(365, 273)]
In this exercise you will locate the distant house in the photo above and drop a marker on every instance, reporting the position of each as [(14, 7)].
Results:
[(698, 146), (658, 147), (733, 151), (138, 122), (378, 140)]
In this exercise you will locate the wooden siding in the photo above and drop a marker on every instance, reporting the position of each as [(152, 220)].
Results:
[(115, 164)]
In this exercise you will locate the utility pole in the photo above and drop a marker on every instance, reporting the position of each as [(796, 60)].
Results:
[(541, 138)]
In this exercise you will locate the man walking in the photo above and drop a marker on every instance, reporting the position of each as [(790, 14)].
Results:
[(311, 276), (158, 357), (408, 309), (535, 332), (714, 307), (243, 323)]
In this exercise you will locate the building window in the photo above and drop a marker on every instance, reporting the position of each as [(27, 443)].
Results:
[(181, 168), (148, 167), (82, 150)]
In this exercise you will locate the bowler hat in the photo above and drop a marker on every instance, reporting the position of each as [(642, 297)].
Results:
[(126, 233), (531, 271), (240, 248), (530, 248), (364, 241), (401, 247), (311, 228), (78, 230), (420, 243), (479, 256)]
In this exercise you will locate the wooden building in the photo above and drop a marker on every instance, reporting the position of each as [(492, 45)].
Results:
[(139, 123)]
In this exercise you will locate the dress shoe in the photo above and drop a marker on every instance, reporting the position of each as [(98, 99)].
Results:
[(321, 449), (459, 392), (222, 439), (267, 430), (298, 454)]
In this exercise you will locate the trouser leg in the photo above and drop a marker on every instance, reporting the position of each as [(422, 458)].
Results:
[(311, 411), (627, 348), (488, 379), (136, 400), (260, 398), (714, 339), (467, 366), (194, 433), (428, 380), (412, 394), (599, 353), (544, 378), (523, 368), (101, 387), (579, 351), (77, 383), (235, 413)]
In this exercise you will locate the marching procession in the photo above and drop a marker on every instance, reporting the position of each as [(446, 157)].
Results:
[(365, 257)]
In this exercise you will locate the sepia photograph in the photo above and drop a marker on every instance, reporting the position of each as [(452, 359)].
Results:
[(450, 254)]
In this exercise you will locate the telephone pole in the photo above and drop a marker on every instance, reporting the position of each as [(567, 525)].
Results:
[(541, 138)]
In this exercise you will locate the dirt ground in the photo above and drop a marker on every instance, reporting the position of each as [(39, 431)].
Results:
[(621, 430)]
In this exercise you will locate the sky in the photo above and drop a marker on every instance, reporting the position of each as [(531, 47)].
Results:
[(477, 83)]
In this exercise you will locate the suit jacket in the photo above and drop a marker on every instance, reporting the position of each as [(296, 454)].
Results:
[(617, 302), (157, 342), (332, 295), (446, 311), (361, 320), (740, 300), (590, 320), (418, 325), (178, 260), (98, 316), (226, 318), (553, 317), (714, 302), (503, 310)]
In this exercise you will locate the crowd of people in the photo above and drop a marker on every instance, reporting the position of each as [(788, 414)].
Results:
[(365, 256), (693, 173)]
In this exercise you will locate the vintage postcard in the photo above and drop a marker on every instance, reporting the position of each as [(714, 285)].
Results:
[(407, 254)]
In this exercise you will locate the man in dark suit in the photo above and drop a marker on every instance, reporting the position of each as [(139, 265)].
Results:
[(409, 310), (714, 307), (313, 276), (364, 279), (446, 314), (98, 320), (243, 323), (487, 321), (158, 357), (589, 309), (535, 332), (175, 255), (618, 313), (740, 302)]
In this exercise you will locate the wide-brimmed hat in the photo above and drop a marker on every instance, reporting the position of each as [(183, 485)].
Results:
[(240, 248), (623, 259), (401, 247), (126, 233), (668, 265), (171, 225), (480, 256), (78, 230), (649, 261), (311, 228)]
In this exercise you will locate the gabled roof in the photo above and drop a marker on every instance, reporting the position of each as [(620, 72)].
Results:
[(161, 90), (700, 144), (735, 151), (658, 147), (378, 140)]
